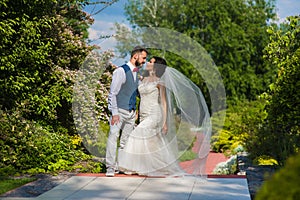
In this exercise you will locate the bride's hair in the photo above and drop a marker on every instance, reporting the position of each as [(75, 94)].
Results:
[(160, 66)]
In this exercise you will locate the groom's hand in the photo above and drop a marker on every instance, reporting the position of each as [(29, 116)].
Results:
[(165, 129), (115, 119)]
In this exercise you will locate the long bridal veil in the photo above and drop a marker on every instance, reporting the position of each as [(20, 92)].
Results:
[(189, 125)]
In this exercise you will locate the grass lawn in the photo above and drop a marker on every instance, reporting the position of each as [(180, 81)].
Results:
[(7, 184), (187, 155)]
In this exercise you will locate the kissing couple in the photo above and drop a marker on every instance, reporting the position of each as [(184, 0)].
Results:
[(170, 107)]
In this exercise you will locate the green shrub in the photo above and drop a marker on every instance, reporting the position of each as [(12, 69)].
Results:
[(228, 167), (90, 166), (242, 122), (284, 184), (97, 145), (280, 135), (226, 142), (265, 160), (102, 91), (27, 147)]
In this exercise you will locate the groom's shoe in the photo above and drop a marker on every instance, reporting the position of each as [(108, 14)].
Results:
[(128, 173), (110, 172)]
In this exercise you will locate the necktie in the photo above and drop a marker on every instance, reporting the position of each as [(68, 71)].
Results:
[(135, 69)]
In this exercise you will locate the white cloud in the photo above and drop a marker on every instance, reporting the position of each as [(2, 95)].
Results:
[(105, 28), (287, 8), (93, 34), (100, 28), (104, 24)]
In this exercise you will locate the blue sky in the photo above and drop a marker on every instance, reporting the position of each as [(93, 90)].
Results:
[(105, 20), (287, 8)]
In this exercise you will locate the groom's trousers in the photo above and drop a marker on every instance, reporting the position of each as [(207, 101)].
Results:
[(126, 125)]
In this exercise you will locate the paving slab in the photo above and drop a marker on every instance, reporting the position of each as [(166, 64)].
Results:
[(108, 188), (221, 189), (145, 188), (164, 188), (67, 188)]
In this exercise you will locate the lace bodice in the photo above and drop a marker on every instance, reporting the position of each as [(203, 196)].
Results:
[(150, 102)]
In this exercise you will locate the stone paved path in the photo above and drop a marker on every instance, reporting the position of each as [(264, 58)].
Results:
[(144, 188)]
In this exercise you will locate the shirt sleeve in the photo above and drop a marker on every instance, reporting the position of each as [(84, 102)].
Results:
[(118, 79)]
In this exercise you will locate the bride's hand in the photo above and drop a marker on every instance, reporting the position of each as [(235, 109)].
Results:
[(165, 129), (136, 115)]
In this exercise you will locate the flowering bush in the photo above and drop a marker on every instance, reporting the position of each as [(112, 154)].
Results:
[(228, 167)]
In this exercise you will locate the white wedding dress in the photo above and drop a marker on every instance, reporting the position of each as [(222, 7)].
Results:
[(148, 151)]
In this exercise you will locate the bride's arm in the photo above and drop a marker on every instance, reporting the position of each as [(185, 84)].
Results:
[(162, 91)]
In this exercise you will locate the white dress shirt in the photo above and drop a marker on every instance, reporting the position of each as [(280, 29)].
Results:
[(118, 79)]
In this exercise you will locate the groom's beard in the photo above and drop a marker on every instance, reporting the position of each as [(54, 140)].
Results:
[(137, 63)]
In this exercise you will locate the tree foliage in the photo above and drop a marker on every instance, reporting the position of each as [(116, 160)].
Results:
[(42, 44), (232, 31), (280, 134)]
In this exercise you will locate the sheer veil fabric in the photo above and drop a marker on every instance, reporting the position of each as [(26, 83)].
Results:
[(188, 120), (152, 152)]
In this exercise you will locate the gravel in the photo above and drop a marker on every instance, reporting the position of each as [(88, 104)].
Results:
[(256, 175)]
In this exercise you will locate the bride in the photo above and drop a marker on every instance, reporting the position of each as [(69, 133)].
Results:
[(170, 107)]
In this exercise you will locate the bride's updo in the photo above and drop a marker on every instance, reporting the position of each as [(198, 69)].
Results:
[(160, 66)]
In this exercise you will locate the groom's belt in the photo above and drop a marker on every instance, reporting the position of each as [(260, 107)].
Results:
[(128, 110)]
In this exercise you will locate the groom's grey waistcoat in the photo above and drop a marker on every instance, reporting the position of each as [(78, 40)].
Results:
[(126, 99)]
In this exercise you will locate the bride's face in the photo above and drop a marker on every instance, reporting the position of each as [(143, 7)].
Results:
[(150, 65)]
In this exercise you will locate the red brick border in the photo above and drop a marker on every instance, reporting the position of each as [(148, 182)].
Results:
[(137, 176)]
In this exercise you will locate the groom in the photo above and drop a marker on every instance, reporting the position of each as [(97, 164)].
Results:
[(122, 105)]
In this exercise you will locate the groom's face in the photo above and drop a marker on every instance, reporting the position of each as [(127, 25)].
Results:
[(141, 58)]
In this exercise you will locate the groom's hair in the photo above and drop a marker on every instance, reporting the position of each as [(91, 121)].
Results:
[(138, 49)]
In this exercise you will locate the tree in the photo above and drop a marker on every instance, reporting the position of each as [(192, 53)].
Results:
[(233, 33), (42, 45), (280, 134)]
